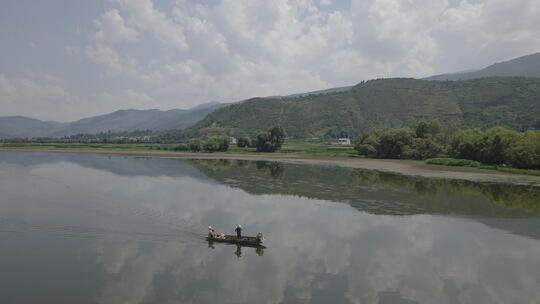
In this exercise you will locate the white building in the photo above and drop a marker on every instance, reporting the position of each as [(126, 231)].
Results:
[(344, 141)]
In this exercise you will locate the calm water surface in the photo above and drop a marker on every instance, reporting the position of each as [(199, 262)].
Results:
[(97, 229)]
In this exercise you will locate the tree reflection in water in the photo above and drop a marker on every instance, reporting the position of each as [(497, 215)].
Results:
[(376, 192)]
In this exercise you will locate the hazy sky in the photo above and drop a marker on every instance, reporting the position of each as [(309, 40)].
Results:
[(67, 59)]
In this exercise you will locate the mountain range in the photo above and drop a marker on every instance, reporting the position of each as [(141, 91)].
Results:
[(513, 102), (121, 120), (524, 66), (468, 98)]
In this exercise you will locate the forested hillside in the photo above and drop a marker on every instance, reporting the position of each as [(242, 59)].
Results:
[(513, 102)]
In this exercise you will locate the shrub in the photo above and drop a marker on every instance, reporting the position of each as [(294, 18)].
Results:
[(270, 141), (243, 141), (195, 145), (452, 162), (181, 147), (217, 143)]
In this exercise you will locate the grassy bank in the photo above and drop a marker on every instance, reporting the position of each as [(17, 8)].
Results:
[(342, 155), (289, 148), (304, 153), (455, 162)]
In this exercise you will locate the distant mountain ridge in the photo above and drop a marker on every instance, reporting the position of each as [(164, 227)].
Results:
[(513, 102), (318, 92), (524, 66), (472, 99), (121, 120)]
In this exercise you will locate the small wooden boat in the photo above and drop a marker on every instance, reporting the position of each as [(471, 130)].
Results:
[(251, 241)]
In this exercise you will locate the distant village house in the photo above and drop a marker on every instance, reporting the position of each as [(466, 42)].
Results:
[(344, 141)]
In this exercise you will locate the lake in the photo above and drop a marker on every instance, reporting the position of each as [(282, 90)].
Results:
[(82, 228)]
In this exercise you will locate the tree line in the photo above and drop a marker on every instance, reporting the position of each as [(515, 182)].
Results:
[(498, 146), (269, 141)]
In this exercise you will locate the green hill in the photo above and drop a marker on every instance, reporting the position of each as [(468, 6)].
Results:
[(513, 102)]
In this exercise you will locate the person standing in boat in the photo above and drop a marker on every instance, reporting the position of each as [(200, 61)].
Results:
[(211, 232), (238, 231)]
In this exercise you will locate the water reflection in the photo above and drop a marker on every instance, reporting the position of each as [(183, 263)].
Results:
[(259, 250), (86, 230), (377, 192)]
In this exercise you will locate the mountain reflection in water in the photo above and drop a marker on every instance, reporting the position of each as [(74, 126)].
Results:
[(96, 229)]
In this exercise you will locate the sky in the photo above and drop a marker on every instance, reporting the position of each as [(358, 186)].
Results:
[(64, 60)]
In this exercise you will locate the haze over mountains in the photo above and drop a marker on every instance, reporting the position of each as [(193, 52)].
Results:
[(121, 120), (524, 66), (514, 102)]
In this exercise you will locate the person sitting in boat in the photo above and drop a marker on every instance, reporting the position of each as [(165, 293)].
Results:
[(238, 231), (211, 232)]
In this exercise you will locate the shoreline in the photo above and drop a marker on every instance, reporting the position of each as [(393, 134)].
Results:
[(404, 167)]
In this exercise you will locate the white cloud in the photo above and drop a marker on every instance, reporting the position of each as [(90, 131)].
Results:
[(128, 99), (235, 49), (230, 50), (45, 99), (111, 28), (40, 100), (147, 18), (106, 56)]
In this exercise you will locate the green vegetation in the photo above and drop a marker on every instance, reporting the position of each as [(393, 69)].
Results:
[(289, 148), (195, 145), (181, 147), (243, 141), (373, 191), (452, 162), (216, 144), (455, 162), (79, 146), (474, 148), (420, 141), (271, 140), (511, 102), (519, 171), (498, 146)]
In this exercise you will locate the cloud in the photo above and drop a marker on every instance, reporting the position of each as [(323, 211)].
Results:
[(46, 99), (106, 56), (184, 52), (151, 248), (147, 18), (41, 99), (128, 99), (111, 28)]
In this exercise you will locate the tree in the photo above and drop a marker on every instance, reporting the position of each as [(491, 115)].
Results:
[(181, 147), (466, 144), (271, 140), (195, 145), (367, 145), (393, 142), (216, 143), (488, 146), (243, 141), (423, 148), (424, 129), (525, 152), (421, 129)]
